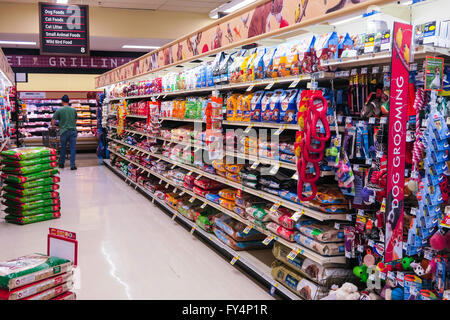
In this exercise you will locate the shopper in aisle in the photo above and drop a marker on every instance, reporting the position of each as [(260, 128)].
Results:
[(67, 117)]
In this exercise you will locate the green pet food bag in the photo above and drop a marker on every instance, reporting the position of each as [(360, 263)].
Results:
[(30, 191), (35, 183), (31, 198), (32, 212), (30, 169), (32, 219), (19, 179), (28, 153), (31, 205), (25, 163), (31, 268)]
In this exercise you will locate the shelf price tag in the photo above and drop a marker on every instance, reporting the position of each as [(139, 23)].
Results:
[(193, 229), (175, 190), (189, 173), (192, 199), (386, 69), (233, 261), (182, 193), (293, 253), (295, 176), (203, 205), (268, 240), (296, 216), (198, 177), (354, 72), (383, 120), (247, 229), (160, 181), (348, 217), (270, 85), (167, 185), (375, 70), (275, 168), (364, 71), (273, 288), (173, 166), (255, 165), (275, 207), (337, 226), (279, 131), (360, 213), (174, 216), (250, 88), (372, 120), (294, 83), (247, 130)]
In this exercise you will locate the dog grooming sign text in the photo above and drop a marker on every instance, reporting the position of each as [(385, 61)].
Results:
[(64, 29), (397, 141)]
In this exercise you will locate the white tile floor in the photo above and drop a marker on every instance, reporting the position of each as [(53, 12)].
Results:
[(128, 248)]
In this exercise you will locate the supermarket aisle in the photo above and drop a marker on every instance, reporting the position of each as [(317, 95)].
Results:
[(128, 248)]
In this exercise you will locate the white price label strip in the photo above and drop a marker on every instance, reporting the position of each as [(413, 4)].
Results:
[(167, 185), (247, 229), (193, 229), (173, 166), (189, 173), (192, 199), (270, 85), (275, 207), (279, 131), (247, 130), (175, 190), (198, 177), (233, 261), (295, 176), (250, 88), (174, 216), (182, 193), (294, 84), (255, 165), (203, 205), (294, 253), (297, 215), (160, 181)]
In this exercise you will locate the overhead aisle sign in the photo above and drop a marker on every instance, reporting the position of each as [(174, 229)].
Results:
[(64, 29)]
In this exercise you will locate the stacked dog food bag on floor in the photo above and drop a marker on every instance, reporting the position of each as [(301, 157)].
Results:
[(36, 277), (30, 185)]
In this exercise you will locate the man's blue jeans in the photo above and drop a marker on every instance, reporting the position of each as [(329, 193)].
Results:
[(70, 137)]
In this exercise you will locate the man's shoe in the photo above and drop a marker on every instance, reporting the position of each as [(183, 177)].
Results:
[(61, 166), (73, 168)]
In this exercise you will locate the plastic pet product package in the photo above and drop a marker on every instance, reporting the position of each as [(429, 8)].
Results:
[(228, 194), (31, 198), (256, 70), (237, 245), (28, 153), (246, 107), (306, 54), (250, 184), (31, 268), (287, 148), (288, 108), (240, 211), (301, 286), (326, 249), (30, 191), (281, 231), (329, 208), (69, 295), (52, 292), (32, 212), (323, 233), (185, 209), (35, 183), (207, 184), (35, 288), (235, 229), (279, 61), (31, 205), (227, 204), (32, 219), (247, 200), (329, 195), (11, 162), (259, 212), (255, 106), (218, 165), (275, 105), (265, 106), (233, 176), (287, 158), (282, 216), (288, 195), (257, 222), (20, 179), (212, 197), (326, 48), (278, 181)]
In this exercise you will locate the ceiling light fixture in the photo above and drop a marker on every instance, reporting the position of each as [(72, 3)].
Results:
[(26, 43), (238, 6), (129, 46)]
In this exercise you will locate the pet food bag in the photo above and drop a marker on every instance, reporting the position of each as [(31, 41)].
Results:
[(275, 105), (52, 292), (281, 231), (30, 191), (288, 108), (32, 219), (228, 194), (28, 153), (237, 245), (256, 70), (31, 212), (282, 216), (34, 183), (268, 61), (12, 162), (69, 295), (19, 179), (265, 106), (30, 205), (259, 212), (31, 198), (255, 106), (326, 249), (31, 268), (235, 229), (323, 233), (227, 204)]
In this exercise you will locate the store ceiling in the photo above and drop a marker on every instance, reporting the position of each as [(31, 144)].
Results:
[(199, 6)]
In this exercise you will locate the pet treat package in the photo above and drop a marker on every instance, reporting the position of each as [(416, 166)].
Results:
[(28, 153), (32, 219), (288, 108), (36, 287), (282, 216), (306, 54), (235, 229), (237, 245), (11, 162), (295, 282), (31, 268), (279, 61)]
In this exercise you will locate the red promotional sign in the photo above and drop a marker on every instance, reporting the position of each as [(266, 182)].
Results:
[(397, 141)]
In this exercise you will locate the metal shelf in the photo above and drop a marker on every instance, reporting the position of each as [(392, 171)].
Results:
[(274, 125), (275, 199), (323, 260), (244, 257)]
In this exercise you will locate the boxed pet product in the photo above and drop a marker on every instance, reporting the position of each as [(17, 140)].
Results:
[(288, 108)]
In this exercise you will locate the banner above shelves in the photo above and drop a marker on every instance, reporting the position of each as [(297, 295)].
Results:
[(5, 70), (263, 19)]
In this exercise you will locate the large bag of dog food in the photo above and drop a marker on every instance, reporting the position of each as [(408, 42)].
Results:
[(32, 219), (35, 288), (28, 153), (52, 292), (29, 169), (237, 245), (11, 162), (31, 268), (235, 229), (30, 191), (32, 212), (69, 295), (19, 179), (31, 198), (31, 205), (35, 183)]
